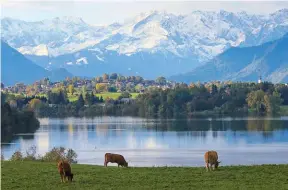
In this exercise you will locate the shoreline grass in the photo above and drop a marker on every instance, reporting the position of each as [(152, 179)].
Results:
[(43, 175)]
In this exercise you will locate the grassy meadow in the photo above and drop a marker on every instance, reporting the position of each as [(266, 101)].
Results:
[(43, 175), (112, 95)]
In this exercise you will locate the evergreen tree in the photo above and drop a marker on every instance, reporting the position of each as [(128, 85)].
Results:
[(80, 102)]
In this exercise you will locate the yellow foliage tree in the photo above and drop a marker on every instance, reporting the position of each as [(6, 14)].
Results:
[(100, 87), (71, 89), (35, 104)]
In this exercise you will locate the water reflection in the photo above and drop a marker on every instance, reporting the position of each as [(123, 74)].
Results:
[(146, 142)]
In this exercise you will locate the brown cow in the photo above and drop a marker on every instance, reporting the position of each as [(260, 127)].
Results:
[(115, 158), (64, 169), (211, 158)]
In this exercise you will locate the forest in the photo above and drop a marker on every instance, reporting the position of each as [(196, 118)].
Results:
[(180, 101)]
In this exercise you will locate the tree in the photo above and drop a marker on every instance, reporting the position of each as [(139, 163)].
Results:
[(283, 90), (84, 90), (111, 89), (71, 89), (255, 100), (99, 79), (80, 101), (138, 79), (89, 99), (124, 95), (214, 89), (273, 102), (121, 78), (100, 87), (161, 80), (113, 76), (105, 77)]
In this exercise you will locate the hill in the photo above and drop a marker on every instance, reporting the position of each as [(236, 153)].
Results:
[(17, 68), (270, 60)]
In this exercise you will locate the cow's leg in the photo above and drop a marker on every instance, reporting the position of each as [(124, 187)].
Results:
[(207, 167), (61, 178), (118, 165), (105, 163)]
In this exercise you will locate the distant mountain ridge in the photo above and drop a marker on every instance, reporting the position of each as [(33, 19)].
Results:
[(269, 60), (16, 68), (168, 43)]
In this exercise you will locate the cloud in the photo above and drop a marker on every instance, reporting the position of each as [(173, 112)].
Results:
[(107, 12)]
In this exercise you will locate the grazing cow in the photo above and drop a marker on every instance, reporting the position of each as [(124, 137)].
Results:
[(115, 158), (64, 169), (211, 158)]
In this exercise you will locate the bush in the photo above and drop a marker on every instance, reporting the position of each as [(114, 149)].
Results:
[(60, 153), (17, 156), (55, 154), (71, 156), (30, 153)]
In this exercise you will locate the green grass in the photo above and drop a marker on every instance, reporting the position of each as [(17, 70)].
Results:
[(39, 175), (113, 95)]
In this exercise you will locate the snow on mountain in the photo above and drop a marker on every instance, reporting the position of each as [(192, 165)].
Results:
[(81, 61), (195, 37)]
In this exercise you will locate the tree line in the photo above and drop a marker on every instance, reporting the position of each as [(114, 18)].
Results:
[(14, 121), (181, 101)]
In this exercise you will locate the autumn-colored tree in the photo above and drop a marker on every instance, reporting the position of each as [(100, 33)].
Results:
[(99, 79), (35, 104), (255, 100), (105, 76), (71, 89), (100, 87)]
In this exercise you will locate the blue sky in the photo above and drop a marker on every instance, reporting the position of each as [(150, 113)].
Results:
[(106, 12)]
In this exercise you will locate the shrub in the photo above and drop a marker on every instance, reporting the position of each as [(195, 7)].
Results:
[(60, 153), (17, 156), (55, 154), (71, 156), (30, 153)]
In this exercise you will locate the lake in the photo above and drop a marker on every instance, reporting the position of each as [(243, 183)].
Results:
[(155, 142)]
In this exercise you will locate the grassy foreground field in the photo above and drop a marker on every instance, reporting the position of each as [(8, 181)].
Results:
[(39, 175)]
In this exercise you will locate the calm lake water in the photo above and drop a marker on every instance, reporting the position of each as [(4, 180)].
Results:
[(151, 142)]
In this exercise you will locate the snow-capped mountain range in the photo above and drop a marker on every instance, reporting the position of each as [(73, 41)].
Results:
[(180, 42)]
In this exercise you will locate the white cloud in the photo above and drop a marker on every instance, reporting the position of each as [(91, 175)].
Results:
[(106, 12)]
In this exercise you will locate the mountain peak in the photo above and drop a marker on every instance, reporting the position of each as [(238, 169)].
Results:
[(68, 19)]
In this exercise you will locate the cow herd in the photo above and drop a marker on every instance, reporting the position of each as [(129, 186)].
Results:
[(64, 168)]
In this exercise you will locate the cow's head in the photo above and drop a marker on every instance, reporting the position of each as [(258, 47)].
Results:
[(217, 164), (126, 164)]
